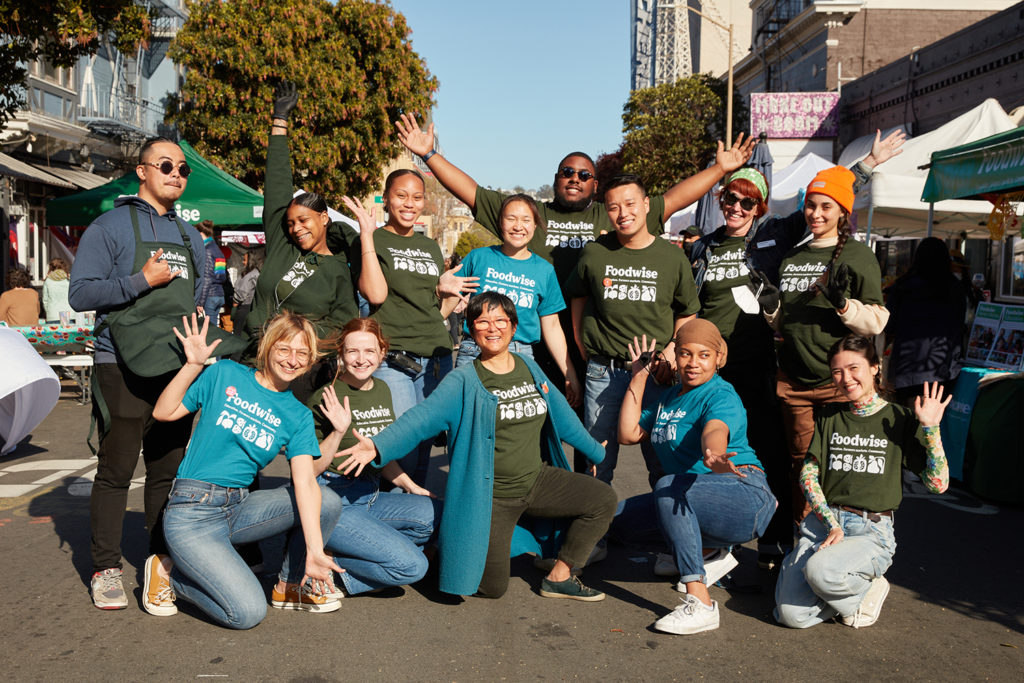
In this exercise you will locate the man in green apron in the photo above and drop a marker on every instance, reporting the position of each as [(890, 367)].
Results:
[(134, 267)]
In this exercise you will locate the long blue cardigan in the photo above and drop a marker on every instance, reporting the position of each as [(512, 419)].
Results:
[(461, 405)]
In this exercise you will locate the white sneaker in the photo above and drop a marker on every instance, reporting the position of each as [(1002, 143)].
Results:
[(691, 616), (870, 606), (716, 565), (665, 565)]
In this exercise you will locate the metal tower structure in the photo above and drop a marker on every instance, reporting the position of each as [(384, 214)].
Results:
[(672, 55)]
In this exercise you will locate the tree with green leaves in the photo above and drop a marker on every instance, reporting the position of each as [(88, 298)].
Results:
[(474, 238), (355, 69), (61, 32), (671, 129)]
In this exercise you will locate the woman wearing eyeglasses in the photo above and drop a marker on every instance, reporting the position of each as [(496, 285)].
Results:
[(732, 266), (248, 417), (505, 426), (529, 281), (300, 273)]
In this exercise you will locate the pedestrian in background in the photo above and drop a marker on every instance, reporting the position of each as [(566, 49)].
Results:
[(55, 290), (216, 273)]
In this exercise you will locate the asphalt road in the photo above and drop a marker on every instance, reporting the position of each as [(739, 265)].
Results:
[(956, 609)]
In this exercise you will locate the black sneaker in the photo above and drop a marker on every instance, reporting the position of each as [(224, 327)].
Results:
[(571, 588)]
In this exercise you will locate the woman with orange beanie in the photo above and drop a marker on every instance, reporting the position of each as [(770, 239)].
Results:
[(829, 287)]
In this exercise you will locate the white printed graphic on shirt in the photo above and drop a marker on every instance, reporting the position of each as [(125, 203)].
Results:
[(857, 453), (371, 421), (175, 260), (519, 403), (413, 260), (298, 273), (248, 419), (726, 265), (797, 278), (519, 288), (569, 234), (630, 283), (665, 426)]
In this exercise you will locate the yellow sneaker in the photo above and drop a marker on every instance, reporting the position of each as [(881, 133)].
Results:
[(303, 597), (157, 595)]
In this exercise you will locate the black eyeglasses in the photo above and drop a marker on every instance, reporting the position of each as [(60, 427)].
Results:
[(748, 203), (569, 172), (166, 167)]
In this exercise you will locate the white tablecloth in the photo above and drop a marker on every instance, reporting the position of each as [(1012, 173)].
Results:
[(29, 389)]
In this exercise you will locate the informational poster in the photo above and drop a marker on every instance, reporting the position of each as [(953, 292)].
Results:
[(997, 337)]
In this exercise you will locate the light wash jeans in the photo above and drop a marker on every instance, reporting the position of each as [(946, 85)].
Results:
[(408, 389), (468, 351), (816, 585), (202, 524), (602, 401), (697, 511), (378, 538)]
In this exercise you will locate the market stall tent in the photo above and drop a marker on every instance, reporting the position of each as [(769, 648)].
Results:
[(211, 194), (992, 165)]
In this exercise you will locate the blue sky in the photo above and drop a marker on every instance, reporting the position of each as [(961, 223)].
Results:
[(523, 83)]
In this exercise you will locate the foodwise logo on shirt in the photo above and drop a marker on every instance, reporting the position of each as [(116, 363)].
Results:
[(520, 402), (298, 273), (371, 421), (726, 266), (569, 234), (857, 453), (798, 277), (630, 283), (519, 288), (665, 427), (413, 260), (248, 419), (177, 261)]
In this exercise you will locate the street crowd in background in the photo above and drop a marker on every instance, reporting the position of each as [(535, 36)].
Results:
[(746, 367)]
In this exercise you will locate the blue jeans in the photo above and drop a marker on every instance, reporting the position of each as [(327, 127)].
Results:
[(815, 585), (697, 511), (212, 306), (602, 401), (408, 389), (202, 524), (468, 351), (378, 536)]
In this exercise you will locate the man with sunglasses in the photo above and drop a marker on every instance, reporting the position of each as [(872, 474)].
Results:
[(135, 260)]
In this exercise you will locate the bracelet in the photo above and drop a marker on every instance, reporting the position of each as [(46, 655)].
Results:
[(278, 125), (426, 157)]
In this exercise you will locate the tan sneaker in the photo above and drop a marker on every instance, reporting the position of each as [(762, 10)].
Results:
[(157, 595), (303, 597)]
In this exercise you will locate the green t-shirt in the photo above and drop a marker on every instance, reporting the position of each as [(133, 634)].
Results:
[(566, 232), (810, 325), (727, 301), (410, 316), (371, 412), (861, 458), (630, 293), (303, 268), (521, 415)]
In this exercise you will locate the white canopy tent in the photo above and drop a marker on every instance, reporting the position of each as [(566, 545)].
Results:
[(29, 389), (891, 203)]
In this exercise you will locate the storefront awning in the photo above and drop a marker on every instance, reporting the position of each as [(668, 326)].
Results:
[(992, 165), (10, 166), (83, 180)]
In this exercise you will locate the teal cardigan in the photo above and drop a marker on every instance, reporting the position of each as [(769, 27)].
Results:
[(461, 405)]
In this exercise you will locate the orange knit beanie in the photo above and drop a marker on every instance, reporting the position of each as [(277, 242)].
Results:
[(837, 183)]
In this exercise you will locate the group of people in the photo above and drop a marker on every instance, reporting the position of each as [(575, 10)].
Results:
[(580, 311)]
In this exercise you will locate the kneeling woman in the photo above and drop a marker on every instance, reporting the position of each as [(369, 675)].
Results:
[(505, 427), (852, 478), (715, 493), (248, 417), (379, 534)]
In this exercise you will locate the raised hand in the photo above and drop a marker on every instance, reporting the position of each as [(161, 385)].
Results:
[(929, 407), (641, 353), (366, 223), (157, 271), (719, 463), (883, 150), (360, 455), (286, 96), (339, 413), (417, 141), (456, 285), (197, 351), (733, 158)]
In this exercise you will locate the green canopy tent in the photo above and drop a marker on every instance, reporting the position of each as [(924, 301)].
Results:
[(991, 165), (211, 194)]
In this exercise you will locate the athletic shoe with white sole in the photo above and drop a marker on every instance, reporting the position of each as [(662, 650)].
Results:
[(303, 597), (691, 616), (665, 565), (157, 595), (716, 565), (108, 590), (870, 606), (571, 588)]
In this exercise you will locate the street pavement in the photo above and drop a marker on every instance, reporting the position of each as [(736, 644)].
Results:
[(956, 609)]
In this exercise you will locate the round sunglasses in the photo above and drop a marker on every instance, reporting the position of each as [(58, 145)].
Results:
[(748, 203), (166, 167)]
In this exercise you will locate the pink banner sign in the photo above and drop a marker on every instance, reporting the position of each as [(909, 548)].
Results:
[(794, 114)]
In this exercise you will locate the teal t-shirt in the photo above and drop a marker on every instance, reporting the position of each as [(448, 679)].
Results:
[(521, 415), (630, 293), (242, 427), (372, 411), (530, 283), (676, 422)]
